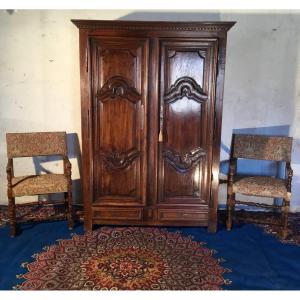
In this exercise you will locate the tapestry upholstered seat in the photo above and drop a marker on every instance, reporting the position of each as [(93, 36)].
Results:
[(259, 147), (37, 144), (263, 186), (39, 184)]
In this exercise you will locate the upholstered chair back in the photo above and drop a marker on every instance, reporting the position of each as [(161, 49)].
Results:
[(36, 144), (277, 148)]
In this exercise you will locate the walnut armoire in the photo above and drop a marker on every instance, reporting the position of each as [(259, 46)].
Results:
[(151, 98)]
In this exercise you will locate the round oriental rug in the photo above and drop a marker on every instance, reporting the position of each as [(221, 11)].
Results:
[(125, 258)]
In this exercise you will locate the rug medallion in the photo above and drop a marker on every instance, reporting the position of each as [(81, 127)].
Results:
[(125, 258)]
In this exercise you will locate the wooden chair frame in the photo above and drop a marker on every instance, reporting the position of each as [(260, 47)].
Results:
[(231, 199), (67, 168)]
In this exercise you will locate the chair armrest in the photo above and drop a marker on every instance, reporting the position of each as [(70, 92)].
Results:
[(9, 169), (67, 166), (289, 176), (232, 169)]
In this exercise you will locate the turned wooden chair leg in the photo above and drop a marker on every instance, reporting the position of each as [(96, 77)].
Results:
[(230, 208), (285, 213), (12, 217), (68, 205)]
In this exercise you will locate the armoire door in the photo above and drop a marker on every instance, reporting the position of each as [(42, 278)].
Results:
[(187, 96), (119, 110)]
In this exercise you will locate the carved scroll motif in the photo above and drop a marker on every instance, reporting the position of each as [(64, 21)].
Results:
[(119, 160), (117, 86), (183, 162), (185, 87)]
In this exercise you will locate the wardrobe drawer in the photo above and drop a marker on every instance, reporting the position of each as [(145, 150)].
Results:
[(115, 213), (181, 214)]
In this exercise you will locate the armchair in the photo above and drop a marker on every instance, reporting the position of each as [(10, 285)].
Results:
[(259, 147), (37, 144)]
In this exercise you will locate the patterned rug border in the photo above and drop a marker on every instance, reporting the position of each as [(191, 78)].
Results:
[(39, 212), (293, 237), (294, 219)]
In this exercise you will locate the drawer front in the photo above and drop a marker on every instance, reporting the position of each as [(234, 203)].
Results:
[(117, 213), (181, 214)]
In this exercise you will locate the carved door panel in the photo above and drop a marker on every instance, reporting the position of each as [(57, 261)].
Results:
[(119, 85), (187, 94)]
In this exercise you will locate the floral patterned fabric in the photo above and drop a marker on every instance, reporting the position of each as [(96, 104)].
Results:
[(39, 184), (36, 143), (260, 186), (276, 148)]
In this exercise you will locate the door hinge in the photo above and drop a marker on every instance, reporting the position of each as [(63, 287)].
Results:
[(142, 116), (88, 122), (86, 60)]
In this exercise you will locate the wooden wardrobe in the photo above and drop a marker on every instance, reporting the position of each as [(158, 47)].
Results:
[(151, 98)]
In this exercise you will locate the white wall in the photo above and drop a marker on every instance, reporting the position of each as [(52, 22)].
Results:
[(39, 78)]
